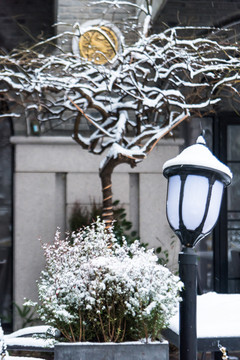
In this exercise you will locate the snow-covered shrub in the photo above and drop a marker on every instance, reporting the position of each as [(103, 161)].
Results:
[(94, 289), (3, 347)]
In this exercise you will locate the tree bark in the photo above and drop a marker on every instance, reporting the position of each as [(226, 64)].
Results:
[(106, 181)]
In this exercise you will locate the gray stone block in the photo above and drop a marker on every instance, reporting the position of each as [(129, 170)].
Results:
[(112, 351)]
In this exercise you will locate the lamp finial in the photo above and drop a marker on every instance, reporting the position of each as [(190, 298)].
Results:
[(201, 140)]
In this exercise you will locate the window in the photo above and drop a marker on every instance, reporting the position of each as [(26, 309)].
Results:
[(227, 239), (5, 224)]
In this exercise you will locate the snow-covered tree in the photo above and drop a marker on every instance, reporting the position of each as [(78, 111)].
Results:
[(131, 101)]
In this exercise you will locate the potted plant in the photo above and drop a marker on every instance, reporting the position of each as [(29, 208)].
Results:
[(97, 291)]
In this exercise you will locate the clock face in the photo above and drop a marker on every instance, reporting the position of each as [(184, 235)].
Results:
[(99, 44)]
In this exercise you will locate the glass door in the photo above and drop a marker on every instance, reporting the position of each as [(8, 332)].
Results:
[(227, 235), (233, 208)]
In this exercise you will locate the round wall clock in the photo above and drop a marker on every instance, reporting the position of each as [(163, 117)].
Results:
[(99, 44)]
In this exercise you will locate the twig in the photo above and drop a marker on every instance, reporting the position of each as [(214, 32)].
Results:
[(65, 334), (90, 120), (124, 330), (167, 132), (73, 337), (102, 327), (80, 324)]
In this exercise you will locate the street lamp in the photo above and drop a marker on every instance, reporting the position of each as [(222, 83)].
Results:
[(196, 179)]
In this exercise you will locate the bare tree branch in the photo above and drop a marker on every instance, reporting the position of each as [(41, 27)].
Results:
[(131, 102)]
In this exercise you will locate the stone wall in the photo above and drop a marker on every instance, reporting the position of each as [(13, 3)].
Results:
[(81, 11), (72, 12)]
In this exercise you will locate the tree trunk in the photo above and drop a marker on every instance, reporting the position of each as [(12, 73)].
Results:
[(106, 180)]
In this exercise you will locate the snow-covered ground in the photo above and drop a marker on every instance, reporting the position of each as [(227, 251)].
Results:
[(24, 339), (218, 315)]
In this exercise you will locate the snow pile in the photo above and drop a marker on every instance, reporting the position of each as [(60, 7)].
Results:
[(93, 289), (40, 330), (18, 338), (218, 316)]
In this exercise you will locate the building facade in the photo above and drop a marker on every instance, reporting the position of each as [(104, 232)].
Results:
[(41, 177)]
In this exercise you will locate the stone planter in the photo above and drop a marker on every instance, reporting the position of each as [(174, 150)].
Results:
[(112, 351)]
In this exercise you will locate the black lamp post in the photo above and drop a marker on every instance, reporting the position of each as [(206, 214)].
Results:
[(196, 179)]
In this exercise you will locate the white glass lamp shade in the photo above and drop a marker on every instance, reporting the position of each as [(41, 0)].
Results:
[(193, 206), (195, 188), (214, 207), (194, 201), (174, 187)]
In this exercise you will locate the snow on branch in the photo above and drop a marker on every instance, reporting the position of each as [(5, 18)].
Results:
[(129, 103)]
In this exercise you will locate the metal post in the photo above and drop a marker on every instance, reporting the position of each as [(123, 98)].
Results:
[(188, 306)]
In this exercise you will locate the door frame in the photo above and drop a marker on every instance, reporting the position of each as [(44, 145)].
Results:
[(220, 237)]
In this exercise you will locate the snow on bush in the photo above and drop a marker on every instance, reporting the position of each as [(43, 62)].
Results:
[(94, 289)]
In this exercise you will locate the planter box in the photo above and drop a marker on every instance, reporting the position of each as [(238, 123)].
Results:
[(112, 351)]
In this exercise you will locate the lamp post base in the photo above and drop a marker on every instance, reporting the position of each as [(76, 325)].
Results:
[(188, 306)]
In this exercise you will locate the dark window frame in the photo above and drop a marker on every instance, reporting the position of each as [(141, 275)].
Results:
[(220, 238)]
